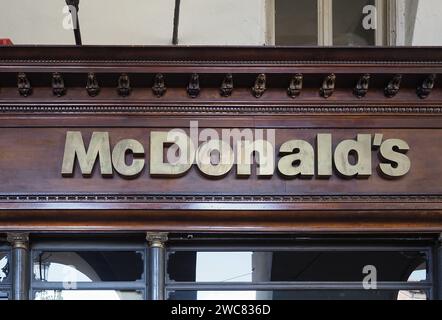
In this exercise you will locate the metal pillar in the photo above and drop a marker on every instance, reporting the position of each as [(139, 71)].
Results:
[(438, 269), (20, 265), (157, 265)]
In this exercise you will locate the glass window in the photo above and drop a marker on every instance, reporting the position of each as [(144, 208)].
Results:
[(296, 22), (4, 266), (354, 22), (260, 266), (88, 295), (88, 266), (4, 295)]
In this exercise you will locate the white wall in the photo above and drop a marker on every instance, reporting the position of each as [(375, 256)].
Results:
[(222, 22), (150, 22), (34, 22), (428, 24), (135, 22)]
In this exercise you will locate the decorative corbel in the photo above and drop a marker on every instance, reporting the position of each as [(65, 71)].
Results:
[(193, 88), (393, 86), (227, 86), (58, 87), (424, 90), (124, 88), (328, 86), (260, 86), (362, 86), (295, 87), (24, 85), (92, 87), (159, 86)]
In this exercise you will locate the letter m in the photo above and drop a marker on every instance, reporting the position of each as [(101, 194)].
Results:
[(99, 146)]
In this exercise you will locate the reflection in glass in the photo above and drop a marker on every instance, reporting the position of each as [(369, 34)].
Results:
[(352, 25), (4, 266), (419, 273), (88, 266), (411, 295), (295, 266), (3, 295), (296, 22), (298, 295), (88, 295)]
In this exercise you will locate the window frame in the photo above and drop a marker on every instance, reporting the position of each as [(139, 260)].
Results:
[(427, 286), (98, 246), (384, 33)]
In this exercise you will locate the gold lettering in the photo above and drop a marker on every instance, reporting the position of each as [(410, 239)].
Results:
[(266, 159), (393, 150), (204, 157), (361, 150), (182, 144), (119, 157), (75, 149), (298, 159), (325, 154)]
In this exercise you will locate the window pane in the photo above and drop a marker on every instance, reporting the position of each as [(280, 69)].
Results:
[(296, 295), (296, 22), (354, 22), (296, 266), (88, 266), (3, 295), (4, 266), (88, 295)]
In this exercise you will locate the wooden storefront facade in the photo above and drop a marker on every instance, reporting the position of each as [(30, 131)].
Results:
[(385, 94)]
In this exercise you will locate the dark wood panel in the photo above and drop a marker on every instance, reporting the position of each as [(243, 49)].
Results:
[(34, 196), (421, 221), (30, 163)]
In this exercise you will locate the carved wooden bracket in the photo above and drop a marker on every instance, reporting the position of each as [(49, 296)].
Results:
[(393, 86), (193, 88), (58, 87), (424, 90), (362, 86), (227, 86), (92, 87), (124, 88), (159, 86), (328, 86), (260, 86), (24, 85), (295, 87)]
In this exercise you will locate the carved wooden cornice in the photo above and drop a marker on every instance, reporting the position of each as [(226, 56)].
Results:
[(294, 78)]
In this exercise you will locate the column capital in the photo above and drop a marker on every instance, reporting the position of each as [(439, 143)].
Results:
[(18, 240), (156, 239)]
